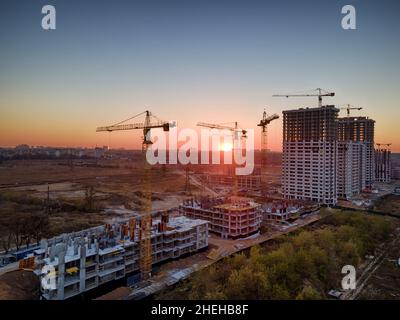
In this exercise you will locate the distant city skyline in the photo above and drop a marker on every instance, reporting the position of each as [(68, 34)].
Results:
[(212, 61)]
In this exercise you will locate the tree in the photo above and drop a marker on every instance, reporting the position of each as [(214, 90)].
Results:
[(206, 283), (89, 201), (326, 240), (218, 294), (279, 292), (348, 253), (17, 228), (238, 261), (247, 284), (346, 233), (40, 226), (304, 264), (21, 228), (308, 293), (320, 261), (303, 240), (6, 235)]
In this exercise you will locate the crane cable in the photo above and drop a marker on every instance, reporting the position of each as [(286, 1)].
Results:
[(139, 114)]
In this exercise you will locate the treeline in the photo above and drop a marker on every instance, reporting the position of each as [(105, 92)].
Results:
[(302, 266), (22, 229), (44, 157), (25, 220)]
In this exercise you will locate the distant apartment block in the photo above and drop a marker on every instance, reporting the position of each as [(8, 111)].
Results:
[(84, 260), (233, 217), (383, 165), (360, 129), (309, 162), (249, 182), (395, 163), (350, 169)]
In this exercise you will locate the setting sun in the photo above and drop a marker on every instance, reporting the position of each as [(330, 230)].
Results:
[(226, 146)]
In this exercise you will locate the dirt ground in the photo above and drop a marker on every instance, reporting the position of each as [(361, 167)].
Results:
[(389, 204), (25, 186), (27, 172), (29, 186), (19, 285), (384, 284)]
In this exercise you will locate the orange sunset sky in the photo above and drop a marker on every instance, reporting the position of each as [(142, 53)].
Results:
[(211, 62)]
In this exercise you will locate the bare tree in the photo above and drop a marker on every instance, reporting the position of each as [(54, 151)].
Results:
[(6, 235), (89, 204), (40, 226), (17, 227)]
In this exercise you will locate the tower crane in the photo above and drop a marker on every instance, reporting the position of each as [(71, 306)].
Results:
[(145, 259), (264, 122), (320, 93), (236, 131), (348, 127), (383, 144), (349, 107), (146, 126)]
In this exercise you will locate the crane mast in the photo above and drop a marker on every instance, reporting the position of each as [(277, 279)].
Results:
[(145, 258), (264, 122), (236, 139), (349, 107)]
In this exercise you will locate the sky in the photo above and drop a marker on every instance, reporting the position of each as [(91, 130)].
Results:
[(212, 61)]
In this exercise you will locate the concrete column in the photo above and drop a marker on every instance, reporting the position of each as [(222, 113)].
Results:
[(96, 244), (60, 278), (197, 237), (52, 252), (82, 269), (76, 246), (44, 244), (207, 233), (229, 224)]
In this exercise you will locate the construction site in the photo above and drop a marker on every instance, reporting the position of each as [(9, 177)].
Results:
[(81, 261), (145, 227), (203, 153), (227, 217)]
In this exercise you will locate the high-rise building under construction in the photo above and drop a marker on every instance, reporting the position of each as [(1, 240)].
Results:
[(383, 164), (358, 133), (310, 154), (326, 157)]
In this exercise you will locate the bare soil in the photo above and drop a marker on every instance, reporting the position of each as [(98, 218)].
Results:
[(19, 285)]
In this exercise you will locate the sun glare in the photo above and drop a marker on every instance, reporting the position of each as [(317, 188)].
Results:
[(226, 146)]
